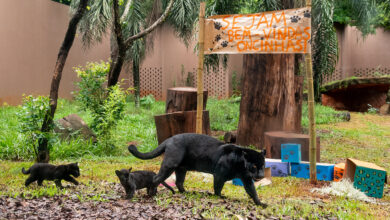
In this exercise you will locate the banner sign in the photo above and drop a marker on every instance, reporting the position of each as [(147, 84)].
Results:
[(285, 31)]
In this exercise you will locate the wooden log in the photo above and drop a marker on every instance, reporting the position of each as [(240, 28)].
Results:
[(174, 123), (183, 99), (230, 137), (274, 139)]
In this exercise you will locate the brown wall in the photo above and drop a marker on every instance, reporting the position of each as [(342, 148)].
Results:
[(170, 62), (31, 33), (360, 57)]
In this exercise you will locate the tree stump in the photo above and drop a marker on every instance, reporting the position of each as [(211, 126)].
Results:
[(183, 99), (274, 139), (168, 125)]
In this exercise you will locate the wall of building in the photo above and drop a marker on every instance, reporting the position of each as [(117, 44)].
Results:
[(31, 33), (369, 57)]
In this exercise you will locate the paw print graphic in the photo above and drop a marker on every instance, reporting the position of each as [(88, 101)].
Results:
[(295, 19), (285, 157), (217, 25), (280, 172), (273, 167), (224, 44), (218, 37), (292, 152), (307, 14), (299, 168), (324, 177)]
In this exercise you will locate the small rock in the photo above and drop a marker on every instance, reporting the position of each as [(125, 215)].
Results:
[(70, 125), (385, 109)]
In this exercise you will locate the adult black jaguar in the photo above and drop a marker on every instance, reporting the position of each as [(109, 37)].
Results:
[(196, 152)]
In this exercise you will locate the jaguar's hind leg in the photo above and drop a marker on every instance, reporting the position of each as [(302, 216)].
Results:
[(218, 185), (180, 177), (171, 162)]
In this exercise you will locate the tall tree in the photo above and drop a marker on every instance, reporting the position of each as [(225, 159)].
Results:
[(43, 151), (129, 28)]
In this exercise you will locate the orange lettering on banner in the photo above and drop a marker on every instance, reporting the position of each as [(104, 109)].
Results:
[(307, 31), (300, 47), (237, 35), (228, 22), (281, 45), (231, 35), (234, 21), (291, 33), (253, 21), (262, 22), (265, 34), (269, 45), (278, 20), (253, 45), (290, 44), (247, 34), (282, 35), (239, 48)]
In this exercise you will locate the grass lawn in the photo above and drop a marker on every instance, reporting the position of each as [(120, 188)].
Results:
[(366, 137)]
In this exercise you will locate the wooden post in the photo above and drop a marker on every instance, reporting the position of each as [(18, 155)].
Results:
[(312, 128), (199, 110)]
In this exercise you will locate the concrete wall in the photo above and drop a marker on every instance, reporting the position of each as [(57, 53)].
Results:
[(360, 57), (31, 33)]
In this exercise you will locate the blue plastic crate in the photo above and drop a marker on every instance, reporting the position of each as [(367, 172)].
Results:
[(278, 168), (325, 171), (291, 153)]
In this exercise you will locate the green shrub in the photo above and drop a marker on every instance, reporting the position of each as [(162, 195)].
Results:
[(147, 101), (106, 105), (31, 117)]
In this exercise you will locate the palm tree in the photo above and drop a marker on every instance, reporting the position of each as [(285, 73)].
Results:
[(137, 16)]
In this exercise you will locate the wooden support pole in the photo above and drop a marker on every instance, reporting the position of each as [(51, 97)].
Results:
[(312, 128), (199, 110)]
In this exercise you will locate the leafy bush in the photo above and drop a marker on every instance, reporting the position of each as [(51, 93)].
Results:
[(147, 101), (106, 105), (31, 117)]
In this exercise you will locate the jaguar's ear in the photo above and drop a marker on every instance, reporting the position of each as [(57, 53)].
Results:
[(118, 173), (130, 169), (264, 152)]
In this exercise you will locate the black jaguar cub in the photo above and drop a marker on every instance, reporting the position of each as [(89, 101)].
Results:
[(132, 181), (43, 171)]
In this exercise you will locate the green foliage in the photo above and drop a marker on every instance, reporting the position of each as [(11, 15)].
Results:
[(359, 13), (147, 101), (236, 82), (65, 2), (383, 18), (31, 117), (325, 45), (106, 105), (372, 110)]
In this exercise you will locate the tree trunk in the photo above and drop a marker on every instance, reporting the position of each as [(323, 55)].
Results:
[(137, 85), (43, 151), (271, 100), (116, 65), (183, 99)]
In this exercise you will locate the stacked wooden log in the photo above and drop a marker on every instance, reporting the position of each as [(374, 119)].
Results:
[(180, 113)]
